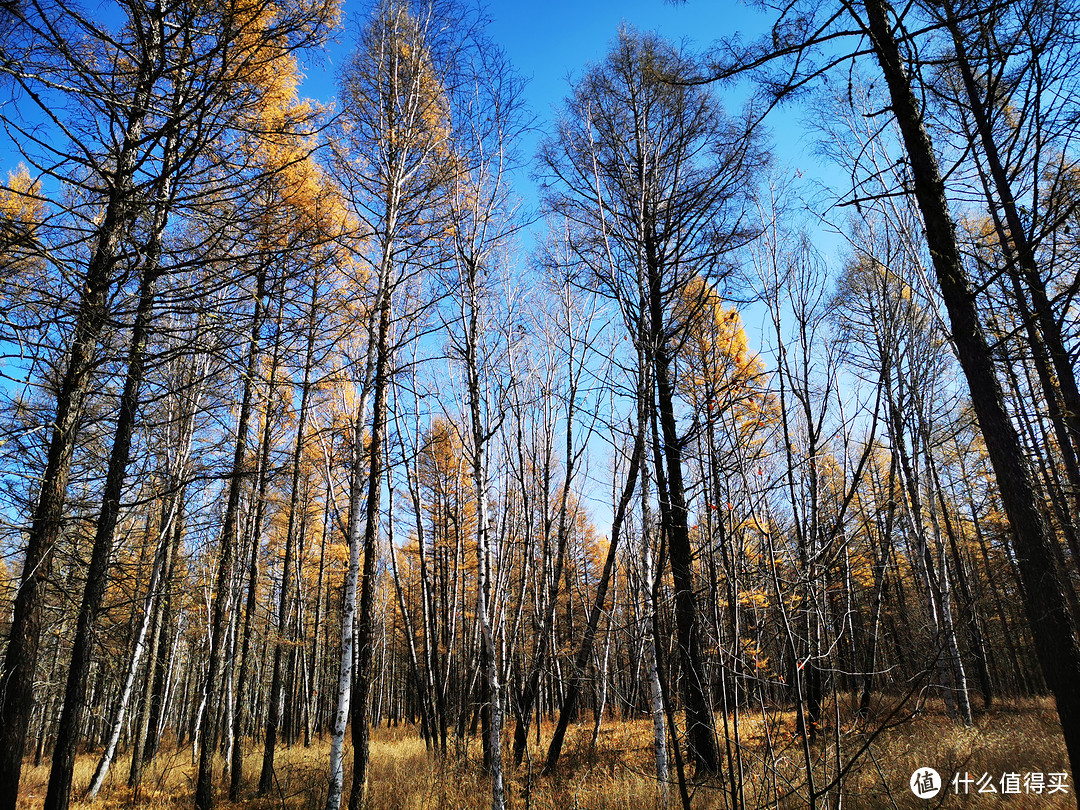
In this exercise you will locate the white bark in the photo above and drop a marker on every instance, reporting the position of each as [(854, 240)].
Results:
[(656, 696), (348, 612), (491, 664), (117, 724)]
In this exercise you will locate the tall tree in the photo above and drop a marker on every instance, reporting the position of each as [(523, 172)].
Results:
[(655, 178), (318, 222), (1052, 625), (145, 99), (894, 37), (130, 113), (487, 117), (396, 122)]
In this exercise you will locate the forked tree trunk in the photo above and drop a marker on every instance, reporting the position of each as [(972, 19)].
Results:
[(58, 795), (344, 688), (700, 725), (20, 659), (480, 433), (528, 695), (1016, 245), (239, 715), (274, 710), (365, 624), (581, 660), (150, 726)]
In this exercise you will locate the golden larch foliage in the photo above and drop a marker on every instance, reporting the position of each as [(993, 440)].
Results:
[(22, 208)]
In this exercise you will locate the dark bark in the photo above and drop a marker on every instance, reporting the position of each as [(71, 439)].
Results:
[(204, 799), (527, 698), (58, 795), (240, 713), (1045, 603), (1016, 243), (314, 709), (581, 660), (242, 676), (20, 660), (267, 774), (881, 570), (701, 728), (365, 630)]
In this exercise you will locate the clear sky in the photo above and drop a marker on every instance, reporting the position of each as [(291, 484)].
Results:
[(551, 42), (548, 41)]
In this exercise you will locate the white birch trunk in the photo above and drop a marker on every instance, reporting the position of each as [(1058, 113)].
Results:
[(348, 636), (656, 696), (117, 724), (348, 612), (491, 665)]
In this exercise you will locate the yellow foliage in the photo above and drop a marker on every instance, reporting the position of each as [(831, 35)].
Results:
[(449, 501), (592, 547), (22, 210), (755, 598), (721, 375), (861, 565), (306, 202), (20, 200), (397, 108), (337, 556), (752, 652), (261, 53), (7, 588)]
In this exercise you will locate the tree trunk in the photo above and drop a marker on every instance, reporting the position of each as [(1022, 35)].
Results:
[(20, 659), (1045, 603), (149, 612), (58, 795), (204, 799), (366, 613), (701, 730), (162, 657), (266, 776), (581, 660)]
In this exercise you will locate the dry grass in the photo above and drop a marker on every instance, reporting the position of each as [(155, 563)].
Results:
[(617, 772)]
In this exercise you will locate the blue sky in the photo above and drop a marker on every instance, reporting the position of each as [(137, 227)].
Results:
[(550, 43), (547, 41)]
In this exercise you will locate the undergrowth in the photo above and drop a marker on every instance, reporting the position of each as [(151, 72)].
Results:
[(618, 771)]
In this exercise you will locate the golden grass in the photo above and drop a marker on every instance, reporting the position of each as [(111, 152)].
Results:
[(618, 772)]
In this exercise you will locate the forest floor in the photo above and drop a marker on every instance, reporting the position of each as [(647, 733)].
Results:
[(1009, 748)]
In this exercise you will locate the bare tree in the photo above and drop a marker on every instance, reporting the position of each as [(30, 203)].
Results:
[(396, 119), (894, 41), (654, 178)]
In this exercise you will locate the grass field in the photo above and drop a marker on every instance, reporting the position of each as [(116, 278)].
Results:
[(1013, 738)]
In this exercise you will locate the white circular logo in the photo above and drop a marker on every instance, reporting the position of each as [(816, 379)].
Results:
[(925, 783)]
